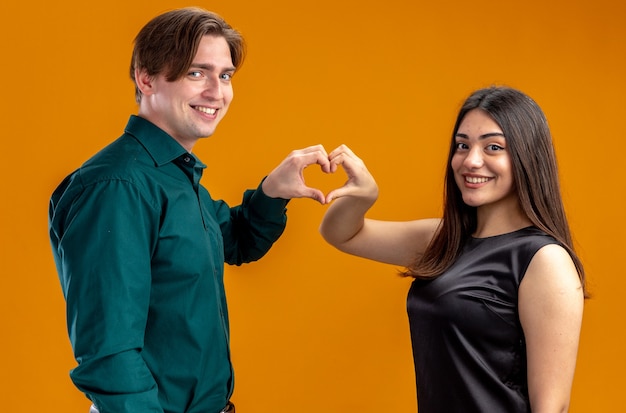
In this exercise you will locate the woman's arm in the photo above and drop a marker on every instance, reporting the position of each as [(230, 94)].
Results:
[(344, 225), (551, 309)]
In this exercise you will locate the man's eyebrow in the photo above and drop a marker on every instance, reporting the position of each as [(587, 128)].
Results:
[(209, 67), (484, 136)]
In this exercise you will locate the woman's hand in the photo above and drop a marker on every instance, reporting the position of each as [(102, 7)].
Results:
[(360, 183)]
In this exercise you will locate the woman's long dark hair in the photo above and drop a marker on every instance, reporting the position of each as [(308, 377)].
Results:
[(535, 174)]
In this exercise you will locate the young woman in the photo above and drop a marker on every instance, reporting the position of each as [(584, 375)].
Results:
[(496, 306)]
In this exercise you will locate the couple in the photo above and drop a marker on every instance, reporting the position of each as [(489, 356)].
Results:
[(495, 308)]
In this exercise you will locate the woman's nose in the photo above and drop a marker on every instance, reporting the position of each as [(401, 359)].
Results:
[(474, 159)]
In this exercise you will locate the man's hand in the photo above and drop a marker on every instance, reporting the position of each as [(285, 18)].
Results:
[(287, 179)]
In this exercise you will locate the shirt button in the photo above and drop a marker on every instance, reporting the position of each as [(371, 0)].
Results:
[(187, 159)]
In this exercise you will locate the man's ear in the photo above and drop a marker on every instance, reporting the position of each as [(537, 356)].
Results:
[(144, 82)]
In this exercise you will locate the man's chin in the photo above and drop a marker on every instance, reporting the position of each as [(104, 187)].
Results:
[(207, 133)]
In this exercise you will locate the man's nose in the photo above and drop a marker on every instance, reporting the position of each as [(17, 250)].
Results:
[(213, 88)]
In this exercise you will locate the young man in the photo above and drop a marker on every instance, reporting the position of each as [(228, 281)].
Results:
[(140, 245)]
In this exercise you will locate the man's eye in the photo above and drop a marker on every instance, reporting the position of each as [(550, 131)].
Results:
[(195, 74), (226, 76)]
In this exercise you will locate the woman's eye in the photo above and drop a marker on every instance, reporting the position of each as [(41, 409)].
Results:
[(461, 146), (494, 147)]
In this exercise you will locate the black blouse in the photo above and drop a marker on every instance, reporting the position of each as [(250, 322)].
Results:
[(468, 344)]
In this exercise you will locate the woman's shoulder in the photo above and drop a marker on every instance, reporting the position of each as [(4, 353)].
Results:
[(551, 262)]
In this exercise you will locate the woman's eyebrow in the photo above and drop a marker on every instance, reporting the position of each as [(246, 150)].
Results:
[(484, 136)]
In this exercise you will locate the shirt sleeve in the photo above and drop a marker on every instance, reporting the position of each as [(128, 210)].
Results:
[(250, 229), (103, 253)]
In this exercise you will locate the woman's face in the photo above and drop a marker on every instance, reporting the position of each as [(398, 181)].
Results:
[(481, 162)]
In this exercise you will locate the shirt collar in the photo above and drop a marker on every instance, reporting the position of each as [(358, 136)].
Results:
[(161, 146)]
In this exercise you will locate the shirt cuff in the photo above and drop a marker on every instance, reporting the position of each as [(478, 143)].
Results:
[(265, 205)]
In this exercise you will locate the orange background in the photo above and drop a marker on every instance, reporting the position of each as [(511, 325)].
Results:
[(314, 330)]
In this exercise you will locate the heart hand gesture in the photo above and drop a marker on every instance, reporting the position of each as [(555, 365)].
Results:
[(287, 180)]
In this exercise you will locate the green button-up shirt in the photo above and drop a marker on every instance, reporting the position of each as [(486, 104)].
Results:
[(140, 248)]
